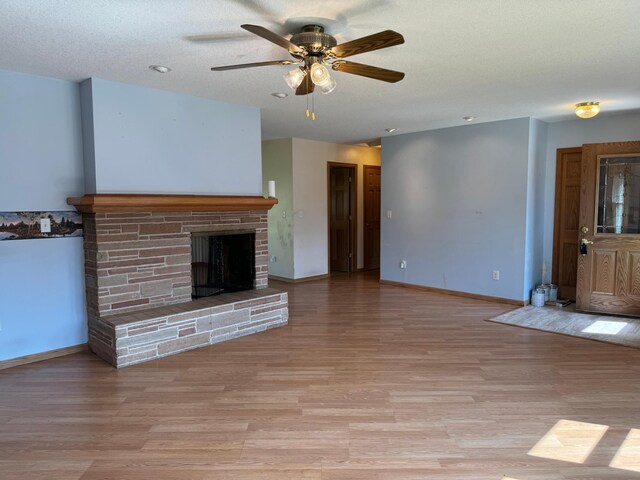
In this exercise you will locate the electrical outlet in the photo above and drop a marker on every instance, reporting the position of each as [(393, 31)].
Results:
[(284, 214), (403, 264), (496, 275), (45, 225), (273, 259), (389, 213)]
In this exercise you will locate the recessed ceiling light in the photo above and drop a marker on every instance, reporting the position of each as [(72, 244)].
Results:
[(391, 130), (159, 68), (280, 94), (468, 119)]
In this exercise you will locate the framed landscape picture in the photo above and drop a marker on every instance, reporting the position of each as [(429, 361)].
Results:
[(26, 225)]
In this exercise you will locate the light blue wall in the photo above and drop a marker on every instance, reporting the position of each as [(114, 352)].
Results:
[(535, 205), (154, 141), (137, 140), (459, 201), (41, 281), (574, 133)]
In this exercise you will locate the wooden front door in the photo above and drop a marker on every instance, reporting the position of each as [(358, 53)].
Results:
[(566, 229), (340, 219), (609, 264), (372, 179)]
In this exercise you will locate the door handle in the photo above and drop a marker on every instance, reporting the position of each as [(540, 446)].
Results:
[(583, 246)]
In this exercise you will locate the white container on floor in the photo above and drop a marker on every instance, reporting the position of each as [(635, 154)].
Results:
[(537, 297), (553, 292), (546, 289)]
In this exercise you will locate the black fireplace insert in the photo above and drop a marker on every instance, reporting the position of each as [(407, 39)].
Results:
[(222, 262)]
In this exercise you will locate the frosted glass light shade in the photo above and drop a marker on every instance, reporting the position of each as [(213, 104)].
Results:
[(329, 86), (294, 77), (320, 75), (587, 109)]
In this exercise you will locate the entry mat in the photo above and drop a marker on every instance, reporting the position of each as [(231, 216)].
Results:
[(619, 330)]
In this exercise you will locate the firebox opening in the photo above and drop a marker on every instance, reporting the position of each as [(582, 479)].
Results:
[(222, 262)]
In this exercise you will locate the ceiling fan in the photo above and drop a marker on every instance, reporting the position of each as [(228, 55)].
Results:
[(312, 50)]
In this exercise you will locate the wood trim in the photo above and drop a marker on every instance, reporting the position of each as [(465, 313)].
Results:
[(38, 357), (455, 293), (299, 280), (108, 203), (555, 258), (354, 211)]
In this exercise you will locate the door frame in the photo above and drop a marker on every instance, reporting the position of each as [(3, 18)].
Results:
[(353, 264), (364, 212), (555, 259)]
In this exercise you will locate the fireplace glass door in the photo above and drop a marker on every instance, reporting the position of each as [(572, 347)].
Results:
[(222, 262)]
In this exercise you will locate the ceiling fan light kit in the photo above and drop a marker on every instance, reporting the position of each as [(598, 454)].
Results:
[(294, 77), (320, 77), (313, 50)]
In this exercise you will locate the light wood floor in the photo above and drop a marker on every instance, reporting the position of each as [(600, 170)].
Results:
[(366, 382)]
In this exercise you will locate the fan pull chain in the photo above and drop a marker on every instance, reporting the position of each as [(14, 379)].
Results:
[(306, 80), (313, 108)]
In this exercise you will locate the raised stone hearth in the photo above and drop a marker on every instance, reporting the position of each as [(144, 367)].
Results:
[(126, 339), (138, 274)]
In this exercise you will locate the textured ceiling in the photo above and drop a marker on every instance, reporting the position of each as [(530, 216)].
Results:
[(493, 59)]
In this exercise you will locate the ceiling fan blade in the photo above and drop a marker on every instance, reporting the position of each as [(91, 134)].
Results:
[(250, 65), (219, 37), (272, 37), (376, 73), (306, 87), (379, 40), (256, 7)]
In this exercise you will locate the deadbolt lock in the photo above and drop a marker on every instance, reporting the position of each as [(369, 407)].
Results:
[(585, 229)]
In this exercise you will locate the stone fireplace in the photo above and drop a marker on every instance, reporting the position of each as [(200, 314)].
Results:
[(146, 256)]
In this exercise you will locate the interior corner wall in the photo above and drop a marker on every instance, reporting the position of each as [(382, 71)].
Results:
[(620, 127), (277, 165), (41, 280), (534, 268), (458, 198), (156, 141), (310, 223), (88, 141)]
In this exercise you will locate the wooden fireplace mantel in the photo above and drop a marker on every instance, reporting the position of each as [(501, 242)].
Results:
[(125, 202)]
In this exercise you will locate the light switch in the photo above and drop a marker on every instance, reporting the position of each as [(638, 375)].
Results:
[(45, 225)]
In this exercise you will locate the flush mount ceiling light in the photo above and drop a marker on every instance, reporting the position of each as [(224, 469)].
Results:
[(469, 119), (280, 94), (587, 109), (391, 130), (159, 68)]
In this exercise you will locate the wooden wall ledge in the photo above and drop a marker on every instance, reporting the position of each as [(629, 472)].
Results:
[(124, 202)]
